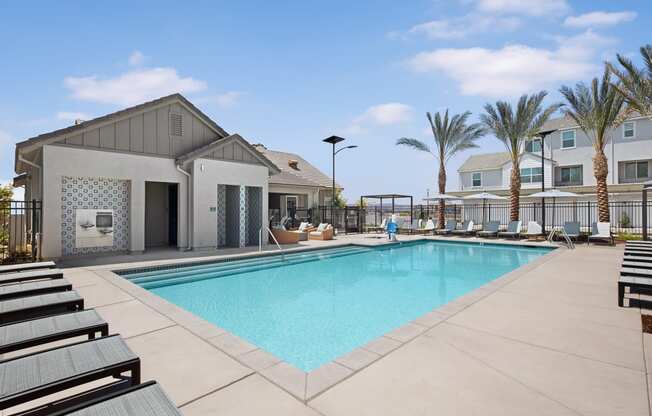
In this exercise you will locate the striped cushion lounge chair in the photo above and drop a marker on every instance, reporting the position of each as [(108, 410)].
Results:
[(26, 334), (11, 268), (15, 277), (20, 309), (39, 374), (40, 287), (147, 399)]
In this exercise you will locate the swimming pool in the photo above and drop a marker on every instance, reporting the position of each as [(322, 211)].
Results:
[(311, 307)]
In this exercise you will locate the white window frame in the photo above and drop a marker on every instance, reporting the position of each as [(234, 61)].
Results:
[(633, 123), (473, 180), (531, 175), (561, 139), (532, 141)]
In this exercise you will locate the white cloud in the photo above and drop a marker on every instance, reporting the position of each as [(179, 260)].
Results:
[(132, 87), (515, 69), (599, 18), (136, 58), (72, 116), (225, 100), (380, 115), (466, 25), (535, 8)]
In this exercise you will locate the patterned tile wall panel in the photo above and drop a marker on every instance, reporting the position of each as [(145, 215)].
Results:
[(254, 213), (94, 193), (243, 216), (232, 216), (221, 215)]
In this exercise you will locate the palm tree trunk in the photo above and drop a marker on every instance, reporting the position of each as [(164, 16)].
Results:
[(514, 191), (441, 218), (601, 170)]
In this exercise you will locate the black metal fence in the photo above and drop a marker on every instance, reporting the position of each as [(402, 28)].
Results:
[(20, 231), (626, 216)]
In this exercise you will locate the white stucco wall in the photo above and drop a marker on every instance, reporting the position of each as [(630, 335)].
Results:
[(207, 174), (59, 161)]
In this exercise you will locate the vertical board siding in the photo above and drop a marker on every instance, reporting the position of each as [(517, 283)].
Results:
[(149, 132), (136, 134), (122, 135), (107, 136), (163, 131)]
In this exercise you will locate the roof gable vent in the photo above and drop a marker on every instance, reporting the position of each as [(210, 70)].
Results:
[(176, 124)]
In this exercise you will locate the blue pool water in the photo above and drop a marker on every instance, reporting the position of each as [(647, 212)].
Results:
[(313, 307)]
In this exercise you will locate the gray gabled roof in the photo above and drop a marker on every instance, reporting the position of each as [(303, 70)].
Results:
[(485, 161), (222, 141), (304, 174)]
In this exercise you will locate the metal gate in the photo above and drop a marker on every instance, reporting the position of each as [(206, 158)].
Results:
[(20, 231)]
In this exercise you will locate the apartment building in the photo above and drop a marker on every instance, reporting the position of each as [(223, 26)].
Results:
[(567, 161)]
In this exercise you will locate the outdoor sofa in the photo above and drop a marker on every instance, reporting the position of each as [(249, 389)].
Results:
[(284, 236), (323, 232), (513, 230)]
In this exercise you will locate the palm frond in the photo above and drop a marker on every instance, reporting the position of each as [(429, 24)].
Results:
[(413, 143)]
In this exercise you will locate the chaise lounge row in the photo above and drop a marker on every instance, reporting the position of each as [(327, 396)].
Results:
[(636, 270), (38, 307)]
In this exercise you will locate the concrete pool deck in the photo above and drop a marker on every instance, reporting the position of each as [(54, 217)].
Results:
[(545, 339)]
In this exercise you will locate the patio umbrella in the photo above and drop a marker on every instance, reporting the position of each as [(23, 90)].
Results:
[(554, 194), (484, 196)]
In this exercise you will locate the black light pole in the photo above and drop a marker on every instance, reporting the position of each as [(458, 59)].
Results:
[(334, 140), (542, 135)]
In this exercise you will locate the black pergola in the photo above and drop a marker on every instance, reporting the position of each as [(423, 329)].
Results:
[(393, 197)]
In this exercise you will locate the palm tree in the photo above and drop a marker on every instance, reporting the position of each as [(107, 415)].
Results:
[(512, 129), (635, 84), (596, 110), (451, 135)]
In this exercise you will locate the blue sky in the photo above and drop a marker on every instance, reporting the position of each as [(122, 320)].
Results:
[(287, 74)]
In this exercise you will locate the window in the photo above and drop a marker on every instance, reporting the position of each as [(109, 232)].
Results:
[(568, 139), (636, 171), (571, 175), (176, 124), (476, 179), (628, 130), (533, 145), (531, 175)]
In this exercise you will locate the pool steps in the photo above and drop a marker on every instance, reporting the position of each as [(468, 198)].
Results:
[(161, 278)]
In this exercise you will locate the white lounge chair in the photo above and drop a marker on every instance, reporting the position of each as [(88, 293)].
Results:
[(601, 231), (513, 230), (534, 230), (429, 228), (490, 230), (466, 230)]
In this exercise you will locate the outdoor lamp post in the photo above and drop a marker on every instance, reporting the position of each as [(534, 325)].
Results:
[(542, 135), (335, 140)]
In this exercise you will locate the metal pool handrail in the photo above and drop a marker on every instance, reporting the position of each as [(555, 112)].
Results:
[(260, 240)]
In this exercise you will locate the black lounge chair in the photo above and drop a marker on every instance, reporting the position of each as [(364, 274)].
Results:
[(513, 230), (633, 271), (27, 334), (27, 266), (25, 276), (20, 309), (635, 284), (636, 264), (491, 230), (448, 228), (572, 230), (147, 399), (39, 374), (641, 259), (20, 290)]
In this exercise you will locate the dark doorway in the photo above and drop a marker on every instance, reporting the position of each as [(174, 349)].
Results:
[(161, 214)]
